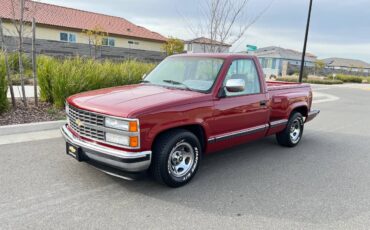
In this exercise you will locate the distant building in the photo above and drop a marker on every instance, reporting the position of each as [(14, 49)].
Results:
[(278, 61), (205, 45), (60, 29), (348, 66)]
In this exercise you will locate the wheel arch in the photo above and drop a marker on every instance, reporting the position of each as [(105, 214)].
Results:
[(302, 109), (197, 129)]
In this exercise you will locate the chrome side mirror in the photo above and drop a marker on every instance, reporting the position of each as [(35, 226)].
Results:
[(235, 85)]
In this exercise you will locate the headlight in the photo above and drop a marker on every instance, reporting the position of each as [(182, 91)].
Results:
[(117, 139), (130, 126), (67, 108), (132, 141)]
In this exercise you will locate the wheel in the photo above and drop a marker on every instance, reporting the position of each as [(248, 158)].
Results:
[(293, 132), (176, 158)]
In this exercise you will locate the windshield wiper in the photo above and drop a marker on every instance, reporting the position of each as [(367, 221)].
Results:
[(145, 81), (177, 83)]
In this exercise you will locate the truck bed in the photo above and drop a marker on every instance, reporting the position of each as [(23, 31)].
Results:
[(279, 85)]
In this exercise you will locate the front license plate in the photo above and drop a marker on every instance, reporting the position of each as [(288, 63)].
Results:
[(73, 151)]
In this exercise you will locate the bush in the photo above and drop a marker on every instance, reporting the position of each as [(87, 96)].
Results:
[(3, 86), (349, 78), (312, 81), (58, 79)]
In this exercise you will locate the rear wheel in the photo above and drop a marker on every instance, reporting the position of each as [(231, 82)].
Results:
[(176, 157), (293, 132)]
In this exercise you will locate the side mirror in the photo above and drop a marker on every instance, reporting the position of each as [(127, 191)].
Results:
[(144, 76), (235, 85)]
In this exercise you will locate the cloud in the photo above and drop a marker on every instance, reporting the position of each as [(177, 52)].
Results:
[(338, 28)]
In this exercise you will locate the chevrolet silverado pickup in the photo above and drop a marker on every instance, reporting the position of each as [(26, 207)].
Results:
[(187, 107)]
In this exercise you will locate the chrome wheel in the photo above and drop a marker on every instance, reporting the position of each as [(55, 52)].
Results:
[(181, 159), (295, 131)]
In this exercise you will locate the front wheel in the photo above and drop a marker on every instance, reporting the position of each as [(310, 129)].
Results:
[(176, 157), (292, 134)]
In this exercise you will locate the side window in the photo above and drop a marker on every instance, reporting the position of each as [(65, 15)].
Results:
[(68, 37), (244, 69), (64, 37)]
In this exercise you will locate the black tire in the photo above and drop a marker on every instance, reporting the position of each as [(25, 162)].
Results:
[(175, 143), (286, 137)]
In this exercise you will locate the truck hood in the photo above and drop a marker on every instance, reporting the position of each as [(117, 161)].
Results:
[(125, 101)]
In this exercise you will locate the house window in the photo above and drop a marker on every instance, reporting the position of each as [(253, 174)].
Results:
[(133, 43), (68, 37), (108, 42)]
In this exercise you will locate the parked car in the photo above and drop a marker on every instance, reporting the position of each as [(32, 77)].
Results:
[(187, 107)]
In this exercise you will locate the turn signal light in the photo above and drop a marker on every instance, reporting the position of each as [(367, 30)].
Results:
[(134, 141), (133, 126)]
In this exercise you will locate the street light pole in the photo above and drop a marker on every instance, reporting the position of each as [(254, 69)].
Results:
[(305, 43)]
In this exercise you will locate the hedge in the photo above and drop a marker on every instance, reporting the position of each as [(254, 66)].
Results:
[(312, 81), (3, 86), (350, 78), (58, 79)]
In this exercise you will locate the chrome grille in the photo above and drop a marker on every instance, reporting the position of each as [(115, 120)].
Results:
[(87, 120)]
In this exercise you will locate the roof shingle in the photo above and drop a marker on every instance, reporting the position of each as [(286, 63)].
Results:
[(54, 15)]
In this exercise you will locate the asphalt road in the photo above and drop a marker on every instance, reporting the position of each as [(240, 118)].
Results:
[(324, 183)]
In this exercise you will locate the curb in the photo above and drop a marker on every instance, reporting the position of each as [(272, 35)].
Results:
[(31, 127)]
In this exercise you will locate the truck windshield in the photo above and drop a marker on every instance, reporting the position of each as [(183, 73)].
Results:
[(190, 73)]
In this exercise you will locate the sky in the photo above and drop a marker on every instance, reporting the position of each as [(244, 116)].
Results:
[(338, 28)]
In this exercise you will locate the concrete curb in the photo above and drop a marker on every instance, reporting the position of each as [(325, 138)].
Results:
[(31, 127)]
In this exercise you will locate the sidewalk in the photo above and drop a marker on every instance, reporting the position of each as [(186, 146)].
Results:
[(28, 88)]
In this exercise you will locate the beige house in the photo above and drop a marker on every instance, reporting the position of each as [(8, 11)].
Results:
[(60, 31)]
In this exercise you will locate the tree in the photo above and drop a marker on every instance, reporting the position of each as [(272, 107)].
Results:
[(7, 69), (20, 18), (96, 38), (173, 46), (319, 66), (223, 21)]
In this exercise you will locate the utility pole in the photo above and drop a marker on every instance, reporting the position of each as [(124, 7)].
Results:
[(305, 43)]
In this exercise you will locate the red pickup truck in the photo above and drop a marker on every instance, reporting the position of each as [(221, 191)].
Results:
[(187, 107)]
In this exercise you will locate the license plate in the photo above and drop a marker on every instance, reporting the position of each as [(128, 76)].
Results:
[(73, 151)]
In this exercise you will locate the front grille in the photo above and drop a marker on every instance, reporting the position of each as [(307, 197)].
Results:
[(83, 123)]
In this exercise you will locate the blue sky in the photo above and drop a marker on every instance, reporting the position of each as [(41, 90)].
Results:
[(338, 28)]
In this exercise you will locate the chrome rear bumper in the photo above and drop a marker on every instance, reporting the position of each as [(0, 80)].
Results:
[(119, 159)]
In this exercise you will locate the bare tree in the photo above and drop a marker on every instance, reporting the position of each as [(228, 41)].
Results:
[(18, 22), (22, 11), (223, 21), (5, 51)]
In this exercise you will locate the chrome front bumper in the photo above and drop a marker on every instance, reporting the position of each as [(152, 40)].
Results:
[(118, 159)]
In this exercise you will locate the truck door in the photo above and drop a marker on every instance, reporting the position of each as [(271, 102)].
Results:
[(241, 116)]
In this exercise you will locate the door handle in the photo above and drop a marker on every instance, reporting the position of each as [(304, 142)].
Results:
[(263, 103)]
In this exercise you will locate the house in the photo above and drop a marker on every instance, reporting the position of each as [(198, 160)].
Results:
[(278, 61), (348, 66), (60, 32), (206, 45)]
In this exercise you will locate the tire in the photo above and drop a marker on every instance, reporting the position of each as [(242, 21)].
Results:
[(176, 158), (292, 134)]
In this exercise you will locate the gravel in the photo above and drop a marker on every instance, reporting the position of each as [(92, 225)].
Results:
[(32, 113)]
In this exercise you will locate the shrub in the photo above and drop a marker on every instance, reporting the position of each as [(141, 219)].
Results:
[(312, 81), (349, 78), (58, 79), (3, 86), (14, 63)]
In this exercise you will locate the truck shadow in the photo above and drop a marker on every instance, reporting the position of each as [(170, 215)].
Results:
[(304, 184)]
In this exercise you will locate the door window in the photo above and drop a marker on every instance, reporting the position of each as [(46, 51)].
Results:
[(244, 69)]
